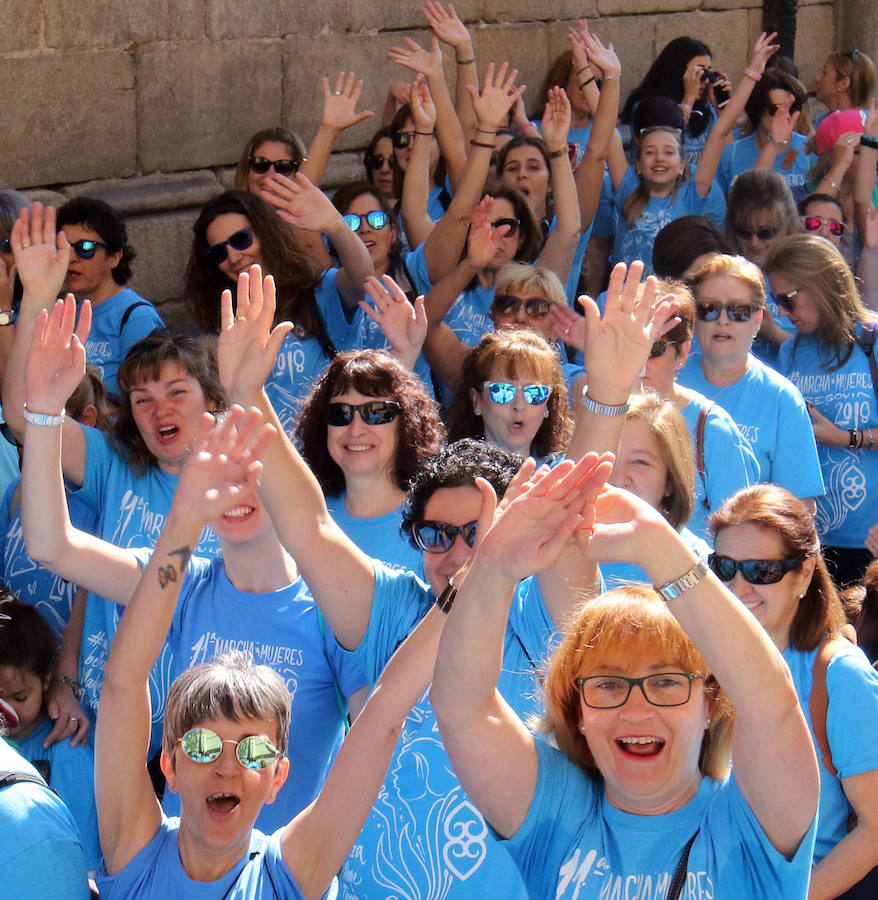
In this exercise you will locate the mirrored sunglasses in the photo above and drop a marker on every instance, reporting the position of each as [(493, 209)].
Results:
[(659, 348), (736, 312), (376, 219), (402, 139), (813, 223), (87, 249), (510, 223), (439, 537), (375, 412), (786, 301), (216, 254), (503, 392), (509, 305), (202, 745), (754, 571), (6, 245), (763, 234), (260, 165), (375, 161)]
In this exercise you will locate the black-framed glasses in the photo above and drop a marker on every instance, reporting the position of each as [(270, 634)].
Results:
[(736, 312), (376, 219), (534, 307), (286, 167), (202, 745), (753, 571), (402, 139), (813, 223), (374, 412), (216, 254), (659, 348), (6, 245), (786, 301), (613, 691), (439, 537), (763, 234), (86, 249), (512, 224), (503, 392), (375, 161)]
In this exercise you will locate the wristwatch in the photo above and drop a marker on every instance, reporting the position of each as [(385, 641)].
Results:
[(6, 317), (674, 589)]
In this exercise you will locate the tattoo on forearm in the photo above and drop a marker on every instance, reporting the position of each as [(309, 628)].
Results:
[(168, 573)]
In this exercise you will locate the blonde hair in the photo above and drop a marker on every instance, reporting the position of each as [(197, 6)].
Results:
[(856, 66), (522, 277), (732, 267)]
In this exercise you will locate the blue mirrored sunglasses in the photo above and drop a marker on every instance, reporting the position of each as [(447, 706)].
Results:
[(503, 392)]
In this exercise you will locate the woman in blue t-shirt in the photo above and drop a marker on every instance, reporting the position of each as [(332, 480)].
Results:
[(768, 552)]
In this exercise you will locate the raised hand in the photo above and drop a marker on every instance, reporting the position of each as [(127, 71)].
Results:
[(41, 253), (568, 326), (556, 119), (56, 361), (340, 104), (844, 150), (692, 83), (300, 203), (403, 324), (763, 50), (416, 58), (497, 96), (483, 237), (446, 25), (601, 56), (782, 125), (422, 106)]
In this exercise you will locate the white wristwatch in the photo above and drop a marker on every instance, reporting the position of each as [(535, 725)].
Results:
[(7, 317)]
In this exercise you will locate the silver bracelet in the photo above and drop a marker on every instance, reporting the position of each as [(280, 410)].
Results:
[(44, 419), (673, 589), (602, 409)]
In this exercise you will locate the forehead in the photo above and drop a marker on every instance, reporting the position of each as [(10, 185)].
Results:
[(170, 371), (764, 217), (638, 436), (352, 395), (503, 208), (363, 204), (225, 225), (750, 541), (384, 146), (779, 95), (723, 287), (525, 153), (13, 680), (236, 729), (824, 209), (702, 60), (454, 505), (656, 140), (76, 231), (273, 150)]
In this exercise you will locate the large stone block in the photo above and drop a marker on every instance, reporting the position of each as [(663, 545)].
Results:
[(522, 11), (646, 7), (375, 15), (152, 193), (815, 38), (21, 26), (726, 33), (632, 39), (104, 23), (197, 104), (740, 4), (72, 119), (232, 19)]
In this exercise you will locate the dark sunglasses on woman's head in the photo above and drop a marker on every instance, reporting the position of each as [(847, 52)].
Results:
[(502, 392), (753, 571), (375, 412), (402, 139), (375, 161), (764, 234), (509, 222), (87, 249), (286, 167), (509, 305), (439, 537), (216, 254), (6, 245), (813, 223), (202, 745), (376, 219), (736, 312), (659, 348), (786, 301)]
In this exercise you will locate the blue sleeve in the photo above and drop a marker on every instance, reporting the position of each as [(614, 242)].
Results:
[(416, 263), (714, 205), (349, 674), (344, 334), (852, 714)]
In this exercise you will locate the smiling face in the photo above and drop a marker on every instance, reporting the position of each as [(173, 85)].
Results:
[(453, 506), (660, 161), (377, 240), (220, 800), (804, 314), (23, 691), (639, 466), (774, 605), (236, 261), (525, 169), (273, 150), (724, 340), (362, 450), (167, 412), (648, 755), (510, 426), (92, 278)]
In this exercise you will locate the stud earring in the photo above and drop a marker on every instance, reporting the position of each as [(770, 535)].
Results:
[(478, 410)]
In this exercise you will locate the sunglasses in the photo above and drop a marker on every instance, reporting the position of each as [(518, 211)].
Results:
[(375, 161), (786, 301), (216, 254), (6, 245), (202, 745), (659, 348), (510, 223), (87, 249), (375, 412), (376, 219), (260, 165), (753, 571), (709, 312), (439, 537), (402, 139), (763, 234), (534, 307), (812, 223), (502, 392)]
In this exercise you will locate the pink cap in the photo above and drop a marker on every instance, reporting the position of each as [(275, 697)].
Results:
[(836, 124)]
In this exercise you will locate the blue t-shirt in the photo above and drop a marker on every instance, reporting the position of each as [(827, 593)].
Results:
[(378, 536), (130, 512), (636, 241), (846, 397), (851, 730), (792, 165), (301, 360), (71, 777), (109, 341), (42, 853), (771, 414), (281, 629), (574, 844), (424, 836), (729, 463), (157, 871), (27, 579)]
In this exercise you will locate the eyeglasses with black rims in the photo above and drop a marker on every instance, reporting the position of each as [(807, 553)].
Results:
[(509, 305), (376, 219), (374, 412), (502, 392), (286, 167), (216, 254), (786, 301), (439, 537), (613, 691), (202, 745), (736, 312), (753, 571)]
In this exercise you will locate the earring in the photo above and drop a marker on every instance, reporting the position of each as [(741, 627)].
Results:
[(478, 410), (547, 412), (582, 728)]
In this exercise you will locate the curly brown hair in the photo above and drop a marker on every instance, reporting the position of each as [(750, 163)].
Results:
[(373, 374)]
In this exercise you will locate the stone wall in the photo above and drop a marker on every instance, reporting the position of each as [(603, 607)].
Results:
[(147, 103)]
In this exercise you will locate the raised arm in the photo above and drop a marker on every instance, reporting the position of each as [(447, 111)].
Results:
[(305, 206), (223, 472), (448, 27), (55, 366), (338, 573), (416, 183)]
